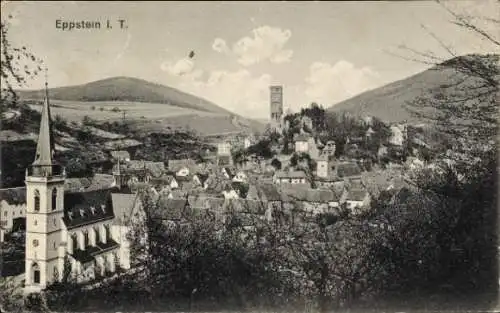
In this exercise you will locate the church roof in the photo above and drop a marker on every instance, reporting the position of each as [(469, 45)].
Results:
[(45, 146), (90, 252), (83, 208)]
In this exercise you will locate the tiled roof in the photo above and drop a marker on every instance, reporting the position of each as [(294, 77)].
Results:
[(301, 137), (202, 177), (123, 205), (309, 194), (90, 252), (13, 196), (120, 155), (247, 206), (171, 209), (224, 159), (356, 195), (163, 179), (229, 171), (81, 208), (291, 174), (155, 168), (348, 169), (206, 202), (176, 165)]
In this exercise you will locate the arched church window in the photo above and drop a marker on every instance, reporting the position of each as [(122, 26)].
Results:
[(54, 199), (85, 239), (107, 233), (36, 273), (74, 242), (37, 200)]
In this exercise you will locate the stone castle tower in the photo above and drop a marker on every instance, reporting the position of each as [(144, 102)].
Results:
[(44, 259), (276, 103)]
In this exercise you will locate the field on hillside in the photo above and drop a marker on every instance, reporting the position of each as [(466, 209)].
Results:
[(101, 111), (148, 117), (204, 125)]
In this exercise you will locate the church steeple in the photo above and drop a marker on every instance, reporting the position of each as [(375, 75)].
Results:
[(45, 147)]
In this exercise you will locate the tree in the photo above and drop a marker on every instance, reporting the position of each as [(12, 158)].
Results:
[(276, 164), (465, 110), (18, 65)]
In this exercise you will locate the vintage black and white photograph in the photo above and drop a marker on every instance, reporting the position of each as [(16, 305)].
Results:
[(226, 156)]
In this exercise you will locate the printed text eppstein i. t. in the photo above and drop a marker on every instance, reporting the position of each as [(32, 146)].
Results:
[(69, 25)]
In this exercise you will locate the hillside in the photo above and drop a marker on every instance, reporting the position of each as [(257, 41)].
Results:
[(136, 100), (388, 102), (126, 89)]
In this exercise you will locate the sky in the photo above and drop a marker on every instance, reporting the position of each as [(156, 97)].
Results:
[(322, 52)]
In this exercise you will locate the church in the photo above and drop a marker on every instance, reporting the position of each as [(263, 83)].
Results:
[(85, 230)]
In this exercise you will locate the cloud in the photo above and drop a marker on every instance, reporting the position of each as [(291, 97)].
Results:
[(266, 43), (329, 84), (220, 45), (179, 68), (238, 91)]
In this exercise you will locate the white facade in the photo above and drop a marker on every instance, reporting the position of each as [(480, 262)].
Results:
[(44, 235), (224, 148), (183, 172), (9, 212), (322, 168), (301, 146), (240, 177)]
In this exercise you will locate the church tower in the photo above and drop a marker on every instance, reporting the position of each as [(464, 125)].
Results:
[(44, 210)]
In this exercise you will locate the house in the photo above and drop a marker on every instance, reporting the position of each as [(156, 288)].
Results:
[(228, 172), (121, 155), (12, 209), (84, 227), (357, 200), (398, 135), (314, 152), (323, 168), (240, 176), (248, 142), (211, 205), (301, 143), (200, 180), (230, 193), (369, 132), (314, 201), (329, 149), (413, 163), (292, 177), (168, 210), (182, 167), (166, 180), (224, 148)]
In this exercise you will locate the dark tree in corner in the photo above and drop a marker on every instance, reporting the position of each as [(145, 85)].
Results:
[(16, 66), (465, 109)]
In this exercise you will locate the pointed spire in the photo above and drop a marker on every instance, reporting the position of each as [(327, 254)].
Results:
[(45, 146)]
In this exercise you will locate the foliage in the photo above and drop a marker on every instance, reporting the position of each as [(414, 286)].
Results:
[(262, 148), (18, 65), (276, 164), (317, 114)]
